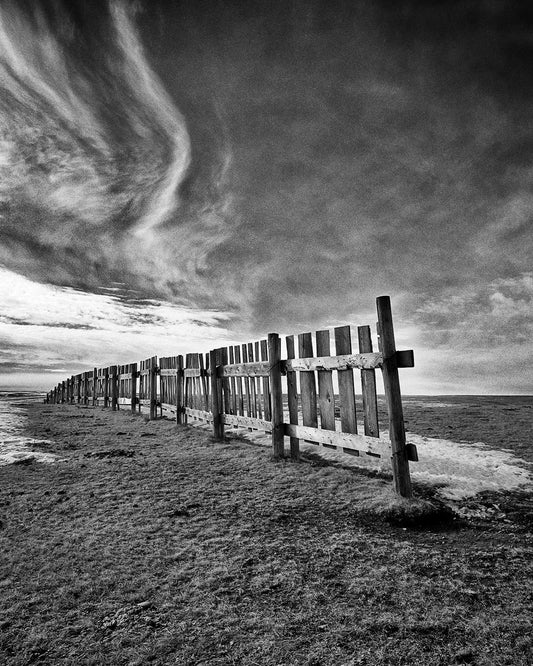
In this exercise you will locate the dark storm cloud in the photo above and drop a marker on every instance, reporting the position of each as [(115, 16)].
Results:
[(377, 147)]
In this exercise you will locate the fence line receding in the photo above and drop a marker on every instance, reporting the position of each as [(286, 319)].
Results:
[(252, 386)]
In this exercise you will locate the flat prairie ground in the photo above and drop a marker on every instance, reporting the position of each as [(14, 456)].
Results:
[(149, 543)]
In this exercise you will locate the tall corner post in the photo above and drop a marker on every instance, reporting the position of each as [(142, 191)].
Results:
[(274, 356), (391, 381)]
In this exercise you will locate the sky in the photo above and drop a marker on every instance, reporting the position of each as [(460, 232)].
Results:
[(178, 176)]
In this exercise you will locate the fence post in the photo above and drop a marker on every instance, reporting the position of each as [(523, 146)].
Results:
[(216, 394), (153, 388), (106, 387), (112, 374), (274, 357), (95, 386), (391, 381), (134, 373), (179, 390)]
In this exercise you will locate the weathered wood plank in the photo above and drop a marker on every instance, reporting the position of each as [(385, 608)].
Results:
[(95, 387), (253, 387), (292, 398), (257, 369), (199, 414), (240, 394), (168, 407), (274, 354), (307, 382), (258, 383), (343, 346), (216, 395), (233, 382), (166, 372), (204, 382), (113, 389), (247, 422), (133, 386), (326, 395), (225, 381), (405, 358), (179, 388), (368, 385), (340, 362), (369, 445), (391, 382), (247, 389), (266, 382)]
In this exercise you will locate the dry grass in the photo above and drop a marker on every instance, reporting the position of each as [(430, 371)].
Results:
[(152, 544)]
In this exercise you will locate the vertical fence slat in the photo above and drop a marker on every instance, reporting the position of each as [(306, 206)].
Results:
[(307, 383), (253, 396), (179, 390), (292, 398), (391, 381), (368, 384), (258, 389), (113, 375), (240, 394), (343, 345), (266, 383), (326, 395), (187, 386), (225, 385), (134, 373), (106, 386), (95, 387), (203, 384), (153, 387), (233, 383), (247, 383)]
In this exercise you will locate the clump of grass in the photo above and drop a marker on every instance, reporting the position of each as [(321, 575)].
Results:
[(417, 513)]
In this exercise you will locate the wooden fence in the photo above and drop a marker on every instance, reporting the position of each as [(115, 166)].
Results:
[(252, 386)]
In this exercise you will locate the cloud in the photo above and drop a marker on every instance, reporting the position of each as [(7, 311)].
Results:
[(499, 313), (49, 327), (282, 163), (93, 153)]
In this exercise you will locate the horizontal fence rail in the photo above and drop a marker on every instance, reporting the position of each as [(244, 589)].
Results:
[(251, 386)]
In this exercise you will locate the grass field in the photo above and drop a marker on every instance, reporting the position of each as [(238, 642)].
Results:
[(151, 544)]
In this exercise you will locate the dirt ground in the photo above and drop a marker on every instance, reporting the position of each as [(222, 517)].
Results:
[(151, 543)]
